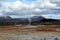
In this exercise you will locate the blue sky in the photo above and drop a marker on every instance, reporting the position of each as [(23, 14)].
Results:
[(29, 8), (11, 0), (29, 1)]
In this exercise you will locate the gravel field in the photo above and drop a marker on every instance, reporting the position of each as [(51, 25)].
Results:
[(29, 36), (17, 33)]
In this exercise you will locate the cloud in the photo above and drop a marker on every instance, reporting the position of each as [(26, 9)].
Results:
[(18, 8)]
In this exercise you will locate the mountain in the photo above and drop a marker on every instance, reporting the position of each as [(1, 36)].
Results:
[(37, 18), (50, 20), (32, 20), (9, 19), (21, 20), (5, 19)]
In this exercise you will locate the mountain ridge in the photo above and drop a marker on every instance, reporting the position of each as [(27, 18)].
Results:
[(34, 19)]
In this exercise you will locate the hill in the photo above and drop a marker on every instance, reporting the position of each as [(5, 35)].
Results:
[(39, 20)]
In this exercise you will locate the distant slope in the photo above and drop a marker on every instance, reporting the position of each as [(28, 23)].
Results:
[(37, 19), (34, 20)]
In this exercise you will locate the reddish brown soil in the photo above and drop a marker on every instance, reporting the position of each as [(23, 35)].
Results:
[(18, 29)]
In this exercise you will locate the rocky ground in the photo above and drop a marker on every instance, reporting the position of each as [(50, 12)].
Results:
[(29, 36), (18, 33)]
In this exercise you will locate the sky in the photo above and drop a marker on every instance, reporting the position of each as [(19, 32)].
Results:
[(29, 8)]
